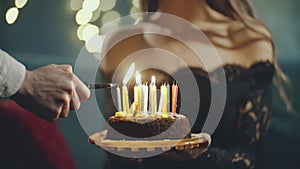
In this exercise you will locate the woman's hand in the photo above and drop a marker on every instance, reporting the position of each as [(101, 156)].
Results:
[(51, 91), (189, 153)]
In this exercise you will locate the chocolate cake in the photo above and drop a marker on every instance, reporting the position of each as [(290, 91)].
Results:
[(148, 128)]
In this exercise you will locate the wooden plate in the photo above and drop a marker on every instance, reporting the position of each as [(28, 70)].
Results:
[(197, 140)]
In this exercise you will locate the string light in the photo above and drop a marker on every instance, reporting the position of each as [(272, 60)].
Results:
[(133, 11), (107, 5), (12, 15), (90, 5), (80, 30), (135, 3), (94, 44), (110, 16), (20, 3), (75, 5), (89, 31), (96, 15), (83, 17), (88, 11)]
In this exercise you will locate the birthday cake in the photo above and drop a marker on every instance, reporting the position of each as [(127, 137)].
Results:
[(149, 128), (143, 120)]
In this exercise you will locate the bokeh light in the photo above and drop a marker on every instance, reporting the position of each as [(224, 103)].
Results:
[(88, 12), (107, 4), (89, 31), (95, 44), (20, 3), (83, 17), (12, 15), (75, 4), (133, 11), (80, 30), (96, 15), (110, 16), (136, 3), (91, 5)]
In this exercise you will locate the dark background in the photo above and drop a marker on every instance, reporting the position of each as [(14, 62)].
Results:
[(45, 32)]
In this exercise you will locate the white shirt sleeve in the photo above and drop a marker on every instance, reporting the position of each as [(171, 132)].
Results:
[(12, 75)]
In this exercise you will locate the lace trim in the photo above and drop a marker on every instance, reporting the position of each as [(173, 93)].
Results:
[(233, 71)]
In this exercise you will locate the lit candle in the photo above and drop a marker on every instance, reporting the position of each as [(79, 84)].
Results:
[(127, 77), (145, 100), (141, 98), (125, 99), (135, 91), (138, 92), (174, 98), (119, 99), (153, 97), (161, 99), (150, 98), (139, 103), (165, 102)]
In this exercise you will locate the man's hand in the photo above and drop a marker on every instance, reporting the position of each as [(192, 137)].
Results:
[(51, 91)]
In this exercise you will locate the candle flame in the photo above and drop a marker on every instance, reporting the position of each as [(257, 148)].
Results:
[(153, 79), (138, 77), (129, 74)]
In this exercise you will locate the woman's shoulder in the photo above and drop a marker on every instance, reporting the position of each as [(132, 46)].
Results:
[(251, 44)]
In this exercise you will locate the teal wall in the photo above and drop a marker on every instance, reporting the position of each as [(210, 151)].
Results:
[(45, 32), (282, 17)]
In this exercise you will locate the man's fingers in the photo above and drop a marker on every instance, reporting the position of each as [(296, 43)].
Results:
[(81, 89), (65, 105), (65, 110), (75, 102), (65, 68)]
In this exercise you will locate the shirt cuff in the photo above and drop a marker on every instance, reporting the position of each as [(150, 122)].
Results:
[(12, 75)]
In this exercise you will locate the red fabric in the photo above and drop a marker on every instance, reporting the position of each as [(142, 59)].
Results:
[(29, 142)]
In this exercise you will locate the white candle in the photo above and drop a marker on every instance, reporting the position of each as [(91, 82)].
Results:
[(141, 97), (145, 94), (165, 102), (174, 98), (168, 97), (138, 94), (125, 99), (154, 100), (161, 99), (119, 99), (150, 98), (153, 97)]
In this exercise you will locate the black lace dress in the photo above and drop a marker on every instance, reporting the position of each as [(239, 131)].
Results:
[(237, 141)]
